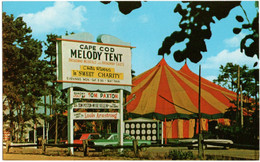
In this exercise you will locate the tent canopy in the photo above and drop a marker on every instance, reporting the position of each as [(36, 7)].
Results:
[(164, 93)]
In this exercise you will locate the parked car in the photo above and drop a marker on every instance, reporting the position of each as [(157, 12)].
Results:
[(87, 136), (219, 143), (111, 139), (78, 139)]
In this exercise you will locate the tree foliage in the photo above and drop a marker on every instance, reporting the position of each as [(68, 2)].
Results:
[(195, 25), (27, 77), (57, 107), (248, 78), (126, 7), (23, 72), (250, 43)]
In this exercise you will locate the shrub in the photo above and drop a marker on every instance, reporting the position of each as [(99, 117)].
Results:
[(180, 155)]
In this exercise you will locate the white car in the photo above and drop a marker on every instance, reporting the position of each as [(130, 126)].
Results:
[(209, 143)]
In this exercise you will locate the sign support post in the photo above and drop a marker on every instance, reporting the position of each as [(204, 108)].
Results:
[(70, 120), (121, 120)]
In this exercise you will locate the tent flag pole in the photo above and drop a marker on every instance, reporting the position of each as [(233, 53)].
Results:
[(200, 147)]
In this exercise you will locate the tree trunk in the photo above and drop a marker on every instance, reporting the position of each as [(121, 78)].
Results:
[(56, 118), (35, 126), (56, 127), (45, 113), (11, 124), (18, 124), (50, 98), (22, 127)]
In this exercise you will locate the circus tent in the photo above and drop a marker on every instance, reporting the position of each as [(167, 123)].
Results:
[(164, 93)]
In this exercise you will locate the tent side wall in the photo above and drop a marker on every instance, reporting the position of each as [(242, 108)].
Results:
[(181, 128)]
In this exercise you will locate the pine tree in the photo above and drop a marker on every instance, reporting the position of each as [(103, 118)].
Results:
[(54, 92), (23, 72)]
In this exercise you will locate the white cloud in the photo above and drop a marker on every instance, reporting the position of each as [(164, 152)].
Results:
[(116, 17), (211, 78), (225, 56), (62, 15), (234, 41)]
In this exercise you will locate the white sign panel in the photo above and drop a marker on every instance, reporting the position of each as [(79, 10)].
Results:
[(95, 115), (95, 95), (96, 105), (96, 63)]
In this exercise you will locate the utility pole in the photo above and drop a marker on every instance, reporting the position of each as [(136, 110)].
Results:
[(121, 121), (241, 108), (238, 89), (200, 144)]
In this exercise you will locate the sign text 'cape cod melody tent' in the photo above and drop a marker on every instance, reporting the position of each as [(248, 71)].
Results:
[(164, 93), (90, 71), (103, 65)]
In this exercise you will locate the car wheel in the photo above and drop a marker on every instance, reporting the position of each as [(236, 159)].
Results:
[(80, 149)]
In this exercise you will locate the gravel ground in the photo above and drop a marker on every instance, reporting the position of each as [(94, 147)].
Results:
[(62, 154)]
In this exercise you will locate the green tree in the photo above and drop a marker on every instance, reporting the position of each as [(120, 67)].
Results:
[(249, 80), (59, 104), (23, 72), (51, 58), (228, 78)]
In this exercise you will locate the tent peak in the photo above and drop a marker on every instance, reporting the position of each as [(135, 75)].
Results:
[(185, 67), (162, 62)]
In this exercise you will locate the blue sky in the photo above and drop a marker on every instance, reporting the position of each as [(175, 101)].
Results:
[(145, 28)]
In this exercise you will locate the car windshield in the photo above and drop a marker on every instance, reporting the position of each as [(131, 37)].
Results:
[(107, 136), (115, 137)]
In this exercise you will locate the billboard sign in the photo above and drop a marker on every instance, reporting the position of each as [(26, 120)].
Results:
[(88, 62)]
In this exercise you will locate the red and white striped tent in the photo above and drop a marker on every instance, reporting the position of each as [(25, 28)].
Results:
[(166, 94)]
